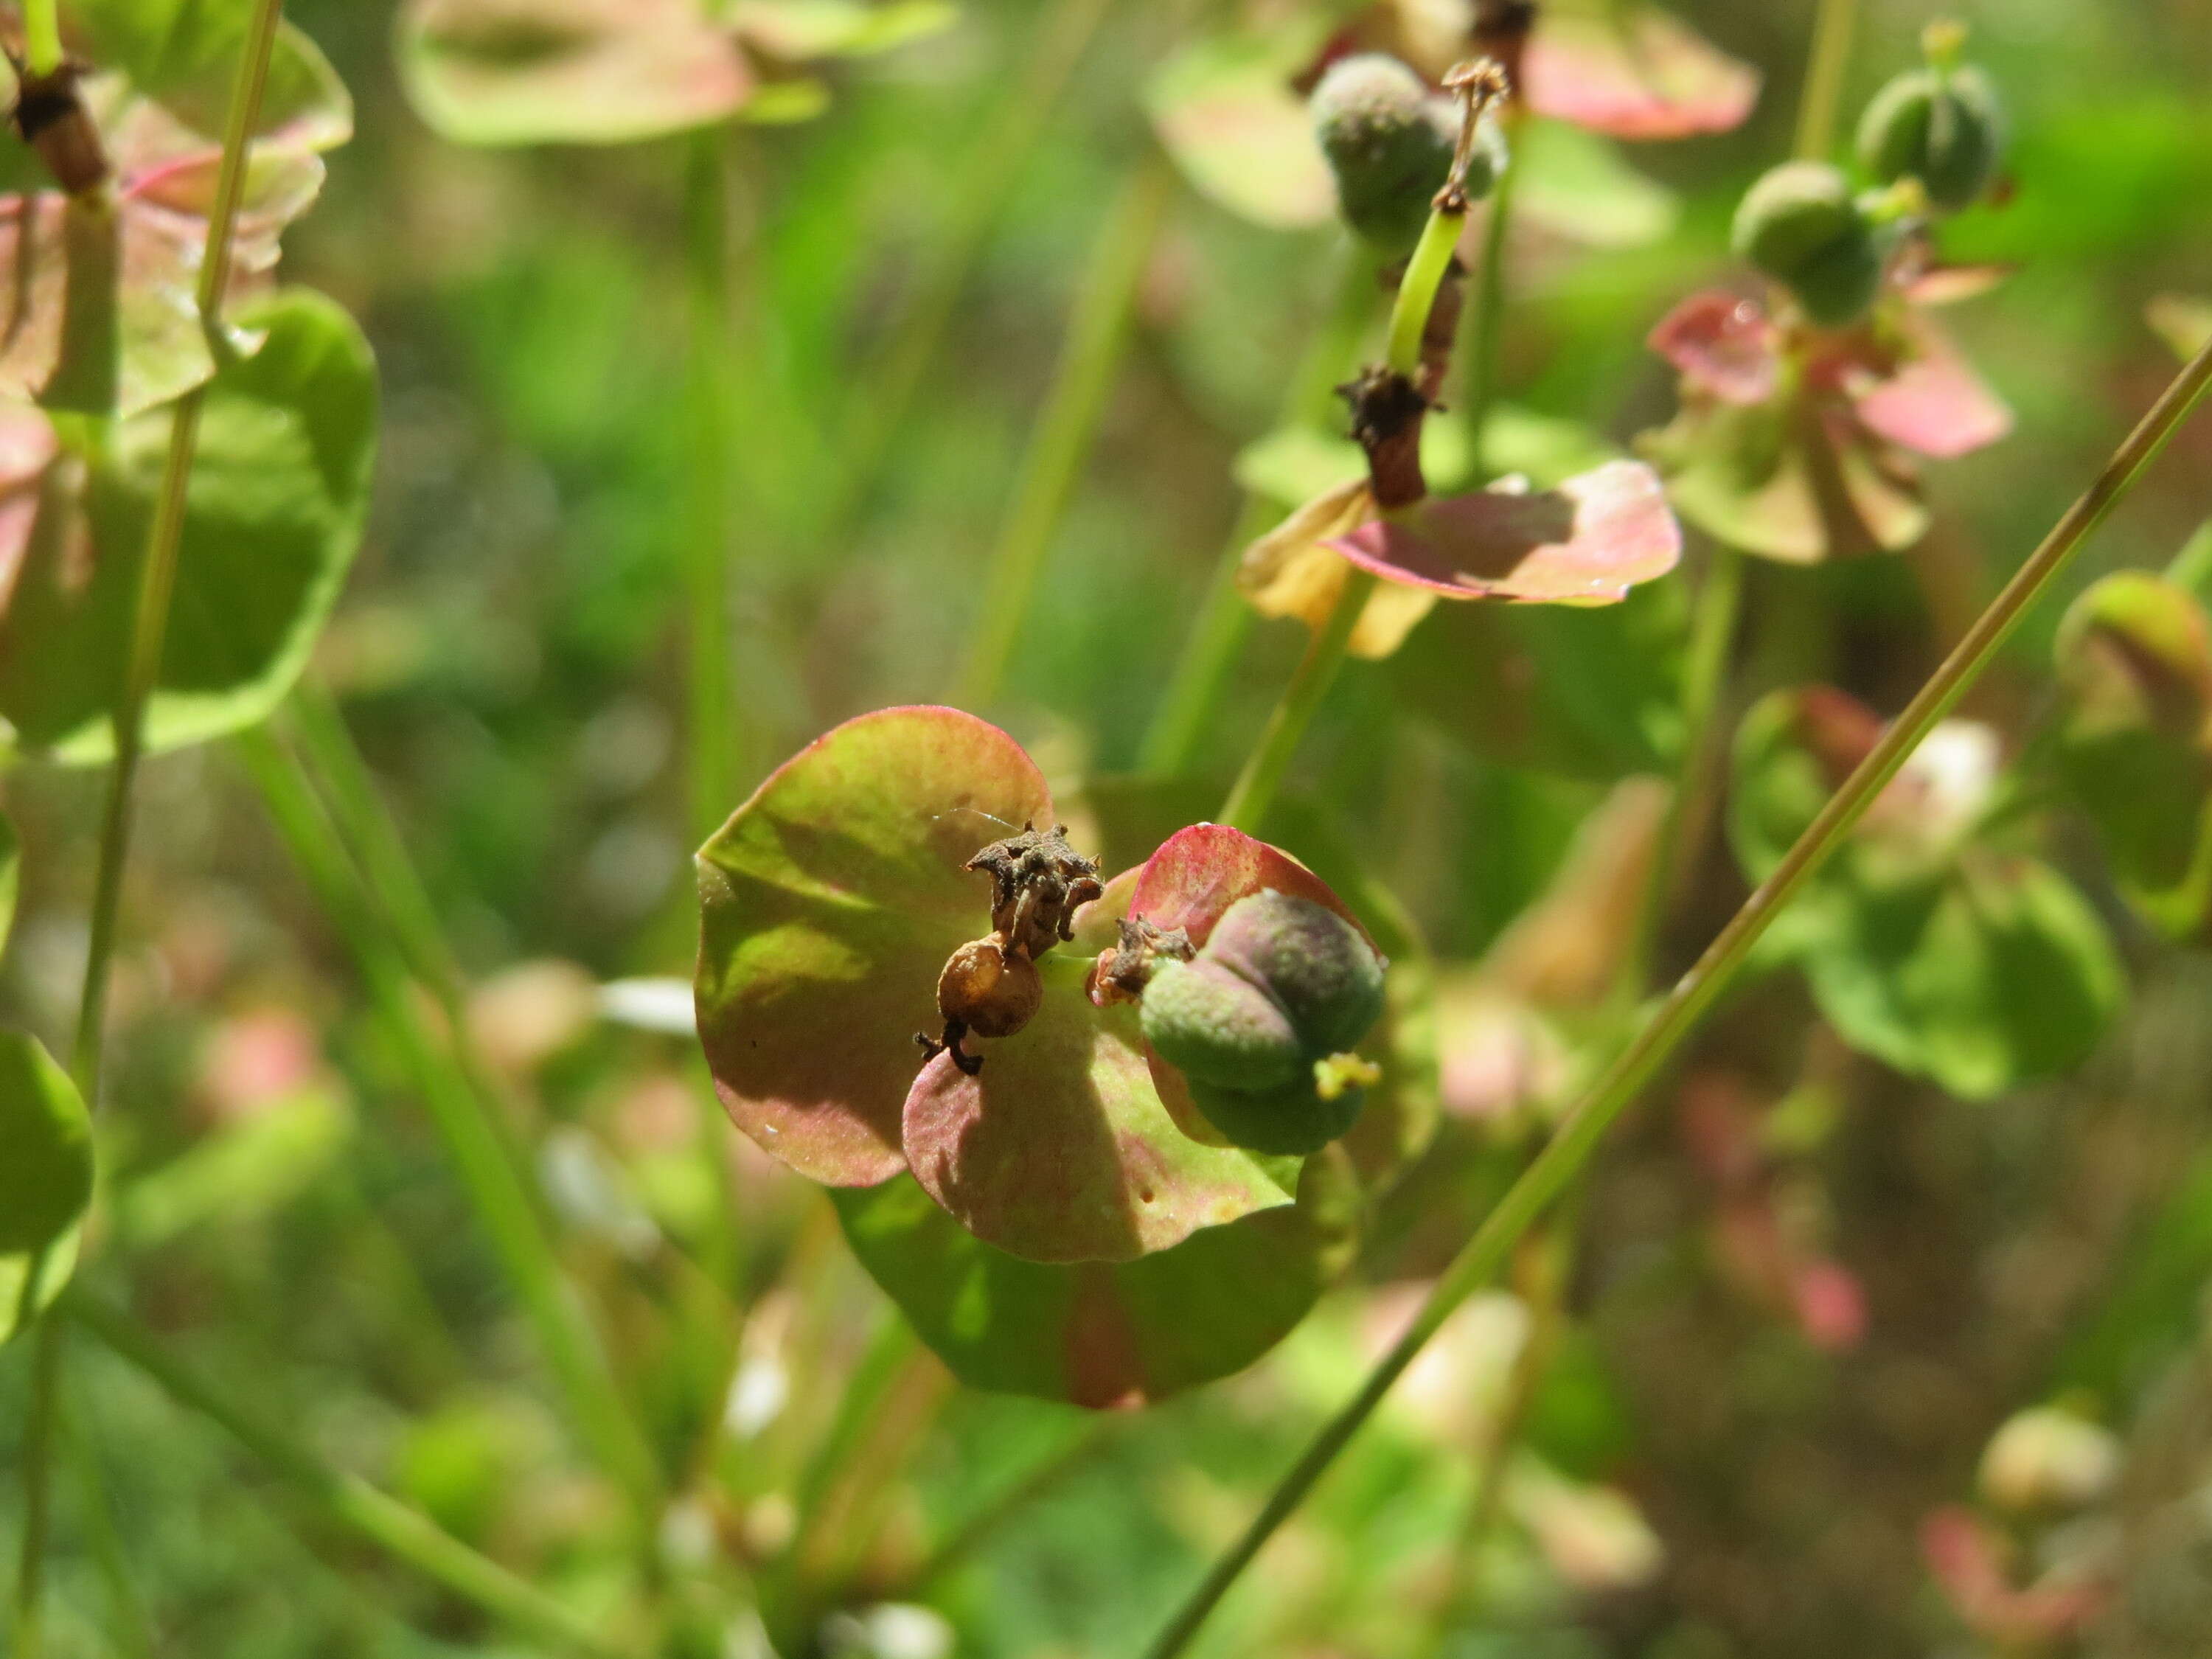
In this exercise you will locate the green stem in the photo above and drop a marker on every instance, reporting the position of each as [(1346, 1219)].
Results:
[(464, 1115), (1823, 94), (715, 754), (149, 627), (1417, 290), (1704, 675), (131, 1633), (42, 36), (1053, 463), (1485, 322), (1246, 809), (1009, 138), (1580, 1132), (38, 1484), (1194, 695), (346, 1499)]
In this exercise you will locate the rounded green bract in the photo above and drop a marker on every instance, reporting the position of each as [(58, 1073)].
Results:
[(1945, 128), (1800, 225), (1289, 1122), (1390, 141)]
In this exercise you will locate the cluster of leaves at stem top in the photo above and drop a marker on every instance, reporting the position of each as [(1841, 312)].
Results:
[(103, 333), (1078, 1204), (109, 171), (1803, 410)]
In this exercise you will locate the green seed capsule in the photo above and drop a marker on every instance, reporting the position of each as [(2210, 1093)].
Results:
[(1945, 129), (1288, 1122), (1313, 962), (1800, 225), (1390, 144), (1217, 1027)]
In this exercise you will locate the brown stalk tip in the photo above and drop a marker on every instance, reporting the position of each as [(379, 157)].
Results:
[(49, 116), (1386, 412), (1039, 881)]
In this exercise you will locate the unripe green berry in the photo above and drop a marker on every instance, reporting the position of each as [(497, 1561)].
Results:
[(1288, 1122), (1313, 962), (1390, 144), (1945, 129), (1800, 225), (1215, 1027), (1261, 1022)]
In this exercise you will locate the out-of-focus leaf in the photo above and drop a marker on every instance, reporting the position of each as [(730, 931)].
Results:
[(1934, 403), (2183, 323), (11, 874), (1297, 463), (1723, 345), (1633, 71), (1226, 111), (273, 517), (829, 905), (183, 55), (2135, 654), (1575, 184), (1292, 571), (1098, 1334), (567, 72), (1567, 690), (243, 1173), (1567, 951), (1978, 969), (46, 1178), (798, 30), (28, 448)]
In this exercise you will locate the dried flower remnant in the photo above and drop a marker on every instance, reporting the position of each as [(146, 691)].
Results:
[(49, 116), (990, 988), (1124, 970)]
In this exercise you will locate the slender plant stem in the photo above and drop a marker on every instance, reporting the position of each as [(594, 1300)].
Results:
[(465, 1119), (1262, 776), (1053, 463), (716, 753), (1705, 675), (132, 1634), (149, 628), (344, 1498), (1824, 78), (1674, 1020), (42, 36), (1485, 322), (37, 1483), (1008, 138), (1201, 674), (1246, 809)]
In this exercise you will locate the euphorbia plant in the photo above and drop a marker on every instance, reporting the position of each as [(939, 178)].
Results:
[(889, 884)]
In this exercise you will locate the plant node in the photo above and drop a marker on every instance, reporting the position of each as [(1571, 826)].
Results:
[(1386, 412), (49, 116)]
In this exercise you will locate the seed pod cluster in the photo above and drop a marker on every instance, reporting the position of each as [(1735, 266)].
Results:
[(1801, 225), (1940, 125), (989, 987), (1391, 142), (1261, 1021)]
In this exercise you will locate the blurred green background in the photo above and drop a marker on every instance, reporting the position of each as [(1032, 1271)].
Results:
[(510, 653)]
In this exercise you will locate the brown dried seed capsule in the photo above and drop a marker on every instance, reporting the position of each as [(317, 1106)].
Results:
[(991, 990)]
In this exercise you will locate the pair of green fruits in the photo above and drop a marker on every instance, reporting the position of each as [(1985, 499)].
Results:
[(1803, 224)]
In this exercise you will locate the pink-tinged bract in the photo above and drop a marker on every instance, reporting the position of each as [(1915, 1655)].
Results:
[(828, 904), (1588, 542), (1634, 72)]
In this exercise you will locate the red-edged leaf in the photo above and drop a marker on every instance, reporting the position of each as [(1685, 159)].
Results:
[(1634, 72), (1935, 403), (828, 904), (1061, 1150), (1586, 543), (1724, 344)]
